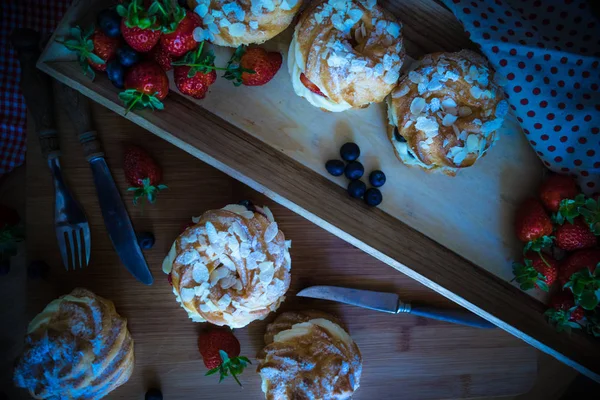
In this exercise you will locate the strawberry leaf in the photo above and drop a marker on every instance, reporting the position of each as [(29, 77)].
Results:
[(230, 366), (585, 286), (527, 277), (95, 59), (591, 213), (83, 46), (539, 244), (234, 69), (569, 209)]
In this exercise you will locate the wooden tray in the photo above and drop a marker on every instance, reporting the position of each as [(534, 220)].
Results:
[(452, 234), (422, 359)]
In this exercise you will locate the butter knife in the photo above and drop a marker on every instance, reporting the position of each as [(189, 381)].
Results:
[(391, 303), (119, 227)]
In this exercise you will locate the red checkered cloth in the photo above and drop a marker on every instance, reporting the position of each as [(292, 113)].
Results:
[(43, 16)]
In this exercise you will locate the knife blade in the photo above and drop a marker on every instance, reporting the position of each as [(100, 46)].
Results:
[(390, 303), (119, 227)]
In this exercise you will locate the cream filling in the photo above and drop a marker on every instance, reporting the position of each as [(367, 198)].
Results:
[(295, 66), (304, 328)]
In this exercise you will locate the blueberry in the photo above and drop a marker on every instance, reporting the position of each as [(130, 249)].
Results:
[(127, 56), (145, 240), (248, 204), (335, 167), (398, 137), (357, 189), (377, 178), (153, 394), (350, 151), (109, 22), (373, 197), (354, 170), (38, 270), (4, 266), (116, 73)]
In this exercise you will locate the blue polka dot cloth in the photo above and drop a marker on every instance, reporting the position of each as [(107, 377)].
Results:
[(549, 52)]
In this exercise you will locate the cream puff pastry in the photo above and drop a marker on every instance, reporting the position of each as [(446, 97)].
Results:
[(446, 112), (345, 54), (235, 22), (308, 355), (232, 267), (78, 347)]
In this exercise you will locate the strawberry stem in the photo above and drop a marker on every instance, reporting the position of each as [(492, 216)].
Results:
[(543, 259)]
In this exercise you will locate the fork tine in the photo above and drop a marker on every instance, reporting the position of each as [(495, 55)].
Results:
[(62, 245), (77, 234), (71, 247), (87, 241)]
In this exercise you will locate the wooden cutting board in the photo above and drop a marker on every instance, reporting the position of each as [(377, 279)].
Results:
[(404, 356)]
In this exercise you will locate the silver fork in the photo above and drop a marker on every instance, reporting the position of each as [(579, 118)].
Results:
[(70, 222)]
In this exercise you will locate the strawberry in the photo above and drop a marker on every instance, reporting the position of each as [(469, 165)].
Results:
[(180, 40), (575, 236), (142, 173), (533, 225), (537, 270), (587, 258), (195, 73), (104, 47), (162, 57), (93, 47), (146, 84), (220, 352), (252, 67), (140, 27), (557, 188), (564, 314), (310, 86)]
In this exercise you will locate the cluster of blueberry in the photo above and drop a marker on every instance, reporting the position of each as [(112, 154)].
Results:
[(110, 24), (354, 170)]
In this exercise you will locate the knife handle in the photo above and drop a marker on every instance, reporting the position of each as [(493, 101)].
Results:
[(77, 107), (455, 316), (37, 90)]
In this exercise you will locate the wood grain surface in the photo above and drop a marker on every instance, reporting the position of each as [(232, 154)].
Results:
[(414, 357), (477, 228)]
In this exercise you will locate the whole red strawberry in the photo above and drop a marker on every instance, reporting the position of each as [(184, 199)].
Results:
[(575, 236), (557, 188), (532, 222), (587, 258), (264, 64), (195, 73), (563, 313), (195, 86), (142, 173), (536, 271), (162, 57), (252, 67), (93, 47), (104, 47), (181, 39), (146, 84), (310, 86), (220, 352), (140, 27)]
